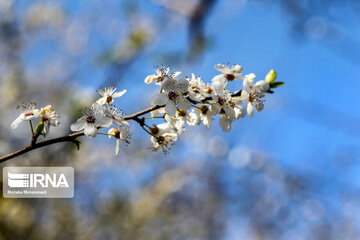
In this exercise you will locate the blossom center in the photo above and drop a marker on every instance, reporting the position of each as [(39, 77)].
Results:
[(172, 95), (182, 113), (154, 130), (230, 76), (90, 119), (251, 97), (109, 99), (221, 101), (204, 109)]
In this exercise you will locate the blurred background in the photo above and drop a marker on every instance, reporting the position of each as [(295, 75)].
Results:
[(291, 172)]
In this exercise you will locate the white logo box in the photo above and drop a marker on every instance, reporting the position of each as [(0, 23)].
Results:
[(38, 182)]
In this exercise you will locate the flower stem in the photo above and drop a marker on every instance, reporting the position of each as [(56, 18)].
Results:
[(32, 128), (154, 117)]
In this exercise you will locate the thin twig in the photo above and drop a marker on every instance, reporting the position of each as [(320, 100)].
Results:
[(72, 137), (68, 138)]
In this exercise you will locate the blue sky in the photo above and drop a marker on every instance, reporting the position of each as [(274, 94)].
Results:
[(308, 123)]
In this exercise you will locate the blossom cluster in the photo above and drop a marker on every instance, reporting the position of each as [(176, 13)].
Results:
[(47, 115), (180, 101), (194, 102)]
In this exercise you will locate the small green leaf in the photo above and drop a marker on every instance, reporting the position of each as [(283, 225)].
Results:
[(39, 128), (271, 76), (276, 84), (77, 143)]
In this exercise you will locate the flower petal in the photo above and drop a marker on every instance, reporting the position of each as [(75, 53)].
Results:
[(150, 79), (101, 100), (124, 134), (207, 121), (250, 109), (90, 130), (79, 125), (119, 94), (222, 68), (170, 108), (218, 88), (181, 86), (230, 112), (225, 124), (117, 147), (168, 84), (262, 85), (219, 78), (104, 121), (183, 103), (17, 121), (160, 99)]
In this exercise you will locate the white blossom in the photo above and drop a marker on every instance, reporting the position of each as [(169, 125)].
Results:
[(29, 111), (173, 95), (205, 114), (108, 95), (227, 73), (161, 74), (115, 115), (49, 117), (262, 85), (92, 119), (223, 103), (252, 95), (225, 121), (163, 136), (119, 134), (198, 90)]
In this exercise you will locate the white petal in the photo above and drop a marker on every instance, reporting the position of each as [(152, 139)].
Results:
[(244, 96), (183, 103), (17, 121), (197, 97), (104, 121), (124, 133), (181, 86), (215, 109), (37, 113), (207, 121), (222, 68), (250, 109), (90, 130), (246, 85), (219, 78), (230, 112), (98, 109), (168, 84), (193, 118), (117, 147), (236, 69), (150, 79), (170, 108), (79, 125), (102, 100), (119, 94), (160, 99), (225, 124), (175, 74), (240, 111), (218, 88), (262, 85)]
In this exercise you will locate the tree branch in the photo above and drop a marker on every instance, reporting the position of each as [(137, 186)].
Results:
[(72, 137), (68, 138)]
